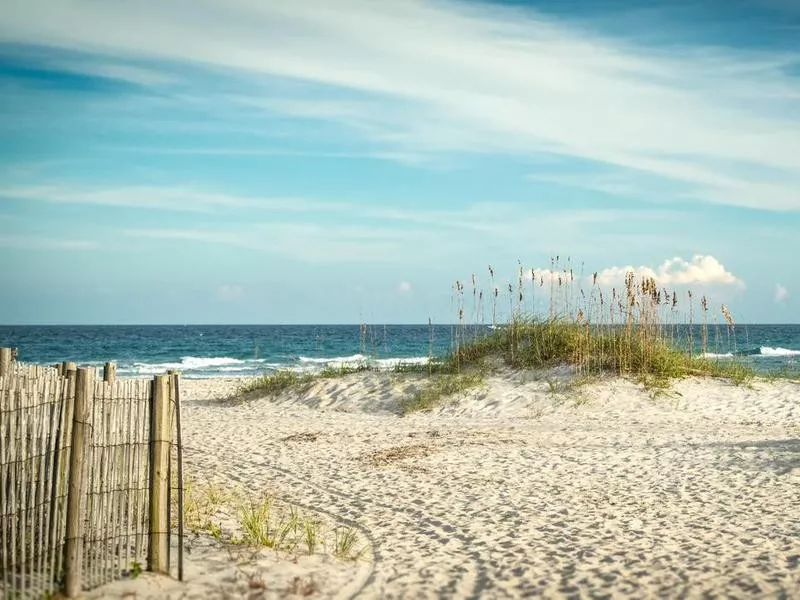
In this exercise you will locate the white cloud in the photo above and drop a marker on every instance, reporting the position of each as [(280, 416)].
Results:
[(404, 287), (229, 293), (415, 77), (40, 242), (373, 235), (700, 270), (297, 241), (182, 199), (545, 277), (781, 293)]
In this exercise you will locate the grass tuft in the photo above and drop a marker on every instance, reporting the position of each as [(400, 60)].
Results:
[(345, 540), (257, 524), (438, 387), (274, 383)]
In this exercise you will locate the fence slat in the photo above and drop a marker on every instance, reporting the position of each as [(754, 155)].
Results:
[(176, 388), (75, 499), (53, 450), (110, 372), (4, 479), (6, 358), (158, 546)]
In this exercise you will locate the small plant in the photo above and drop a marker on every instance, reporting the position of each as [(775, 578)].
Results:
[(311, 535), (200, 503), (215, 529), (345, 540), (286, 538), (256, 523), (135, 570)]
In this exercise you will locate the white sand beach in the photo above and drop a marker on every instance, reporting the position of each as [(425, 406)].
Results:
[(525, 486)]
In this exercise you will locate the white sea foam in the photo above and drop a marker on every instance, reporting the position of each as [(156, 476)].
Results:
[(715, 355), (355, 358), (767, 351), (140, 368), (194, 367), (390, 363), (193, 364)]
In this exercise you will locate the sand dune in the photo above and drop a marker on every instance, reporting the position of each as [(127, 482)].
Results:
[(525, 486)]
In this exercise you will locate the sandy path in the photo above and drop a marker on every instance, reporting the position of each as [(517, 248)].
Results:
[(515, 490)]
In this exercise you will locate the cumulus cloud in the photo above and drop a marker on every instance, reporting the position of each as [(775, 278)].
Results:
[(229, 293), (700, 270), (781, 293), (548, 276)]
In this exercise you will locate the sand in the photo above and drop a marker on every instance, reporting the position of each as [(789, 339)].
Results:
[(525, 486)]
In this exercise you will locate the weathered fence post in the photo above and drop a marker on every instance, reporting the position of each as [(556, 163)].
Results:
[(73, 563), (160, 439), (66, 367), (6, 358), (175, 400), (110, 372)]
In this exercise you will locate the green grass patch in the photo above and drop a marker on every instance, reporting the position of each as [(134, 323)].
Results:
[(344, 544), (273, 384), (438, 387), (635, 350)]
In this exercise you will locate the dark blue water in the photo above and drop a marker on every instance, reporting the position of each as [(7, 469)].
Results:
[(226, 350), (245, 350)]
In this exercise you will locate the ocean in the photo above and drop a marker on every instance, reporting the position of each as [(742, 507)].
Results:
[(201, 351)]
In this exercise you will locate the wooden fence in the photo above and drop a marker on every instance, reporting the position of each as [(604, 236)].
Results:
[(85, 473)]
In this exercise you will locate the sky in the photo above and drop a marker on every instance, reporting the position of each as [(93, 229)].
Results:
[(273, 161)]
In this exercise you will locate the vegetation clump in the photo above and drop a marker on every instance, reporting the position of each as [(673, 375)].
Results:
[(265, 522), (640, 330), (437, 387), (635, 331), (272, 384)]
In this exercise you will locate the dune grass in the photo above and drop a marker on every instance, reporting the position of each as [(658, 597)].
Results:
[(274, 383), (594, 350), (554, 318), (438, 387), (202, 503), (638, 331), (235, 519)]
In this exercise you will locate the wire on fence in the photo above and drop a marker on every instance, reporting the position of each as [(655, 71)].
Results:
[(64, 530)]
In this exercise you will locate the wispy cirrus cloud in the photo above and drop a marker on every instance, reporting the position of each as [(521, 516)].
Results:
[(452, 77), (41, 242), (397, 236), (172, 198), (305, 242)]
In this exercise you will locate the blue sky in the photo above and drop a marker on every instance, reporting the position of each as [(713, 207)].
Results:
[(254, 161)]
